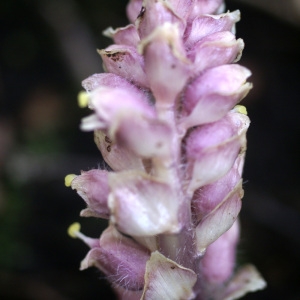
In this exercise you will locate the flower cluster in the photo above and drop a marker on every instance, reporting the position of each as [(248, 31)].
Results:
[(166, 120)]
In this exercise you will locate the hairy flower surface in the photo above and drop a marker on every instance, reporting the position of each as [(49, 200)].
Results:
[(166, 120)]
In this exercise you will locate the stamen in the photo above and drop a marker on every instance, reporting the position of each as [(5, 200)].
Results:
[(241, 109), (73, 230), (83, 99), (68, 179)]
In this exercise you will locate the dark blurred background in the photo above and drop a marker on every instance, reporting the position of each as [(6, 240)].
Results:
[(46, 49)]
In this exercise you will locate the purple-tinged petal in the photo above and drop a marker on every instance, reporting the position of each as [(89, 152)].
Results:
[(124, 294), (120, 258), (166, 65), (91, 123), (210, 96), (209, 196), (202, 7), (146, 138), (208, 24), (117, 157), (130, 120), (218, 263), (140, 205), (216, 49), (211, 149), (247, 279), (92, 186), (219, 220), (181, 7), (123, 36), (114, 104), (155, 13), (133, 9), (165, 279), (124, 61), (106, 80)]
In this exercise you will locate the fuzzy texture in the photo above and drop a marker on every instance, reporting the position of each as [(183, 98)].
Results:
[(165, 120)]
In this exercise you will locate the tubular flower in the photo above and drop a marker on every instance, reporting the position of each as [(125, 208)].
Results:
[(166, 119)]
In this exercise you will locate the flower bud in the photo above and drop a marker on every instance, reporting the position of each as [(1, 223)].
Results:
[(112, 105), (209, 196), (166, 65), (211, 149), (92, 186), (202, 7), (156, 13), (124, 61), (120, 258), (219, 220), (213, 50), (140, 205), (123, 36), (210, 96), (218, 263), (208, 24)]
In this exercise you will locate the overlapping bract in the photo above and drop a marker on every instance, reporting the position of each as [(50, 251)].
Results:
[(165, 121)]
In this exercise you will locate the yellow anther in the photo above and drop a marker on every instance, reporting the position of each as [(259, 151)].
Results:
[(68, 179), (241, 109), (83, 99), (73, 230)]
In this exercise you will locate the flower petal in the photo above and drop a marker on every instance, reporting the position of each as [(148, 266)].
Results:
[(114, 104), (133, 9), (154, 14), (216, 49), (166, 65), (165, 279), (208, 24), (219, 220), (218, 263), (120, 258), (92, 186), (201, 7), (123, 36), (181, 7), (117, 157), (210, 96), (247, 279), (141, 205), (124, 61), (147, 138), (211, 149), (124, 294), (209, 196), (106, 80)]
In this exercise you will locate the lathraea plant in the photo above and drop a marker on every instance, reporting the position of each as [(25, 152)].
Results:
[(166, 120)]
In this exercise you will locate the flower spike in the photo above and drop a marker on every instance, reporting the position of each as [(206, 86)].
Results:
[(168, 122)]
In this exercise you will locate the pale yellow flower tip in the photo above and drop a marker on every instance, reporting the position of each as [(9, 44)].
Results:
[(83, 99), (241, 109), (73, 230), (68, 179)]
